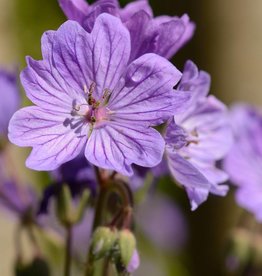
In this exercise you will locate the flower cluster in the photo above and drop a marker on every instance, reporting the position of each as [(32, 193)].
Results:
[(111, 114), (197, 138), (245, 156)]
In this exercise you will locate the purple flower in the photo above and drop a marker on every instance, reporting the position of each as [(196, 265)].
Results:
[(159, 210), (244, 161), (10, 99), (163, 35), (197, 139), (77, 170), (18, 201), (88, 99)]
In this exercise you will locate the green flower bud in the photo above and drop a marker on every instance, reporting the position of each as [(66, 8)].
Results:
[(103, 241), (127, 246), (81, 207)]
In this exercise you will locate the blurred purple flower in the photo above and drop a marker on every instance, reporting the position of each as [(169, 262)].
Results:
[(163, 35), (159, 210), (76, 170), (10, 99), (137, 180), (111, 120), (19, 201), (244, 161), (77, 174), (198, 138)]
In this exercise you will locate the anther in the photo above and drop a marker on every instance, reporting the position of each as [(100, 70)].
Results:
[(106, 95), (93, 119), (90, 99)]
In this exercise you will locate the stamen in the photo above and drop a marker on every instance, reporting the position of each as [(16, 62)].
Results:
[(93, 119), (80, 109), (106, 96), (191, 142), (90, 99), (85, 89)]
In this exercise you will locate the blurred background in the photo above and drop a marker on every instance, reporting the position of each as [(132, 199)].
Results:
[(228, 45)]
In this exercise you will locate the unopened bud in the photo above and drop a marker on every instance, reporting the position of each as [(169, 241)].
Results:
[(127, 246), (103, 241), (81, 207)]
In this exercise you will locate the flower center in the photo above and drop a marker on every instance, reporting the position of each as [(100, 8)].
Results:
[(93, 112), (192, 138)]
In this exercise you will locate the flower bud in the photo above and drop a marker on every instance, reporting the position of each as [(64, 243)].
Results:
[(81, 207), (103, 241), (127, 246)]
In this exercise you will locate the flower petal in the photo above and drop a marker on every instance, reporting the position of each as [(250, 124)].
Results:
[(140, 41), (196, 196), (116, 146), (54, 142), (10, 99), (132, 8), (43, 83), (99, 7), (173, 33), (146, 94), (193, 80), (100, 57), (185, 173), (74, 9)]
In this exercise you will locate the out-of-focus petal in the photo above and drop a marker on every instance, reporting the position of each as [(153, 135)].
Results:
[(75, 9)]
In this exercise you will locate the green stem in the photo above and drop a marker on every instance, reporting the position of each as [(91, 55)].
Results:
[(68, 250), (106, 267), (107, 187)]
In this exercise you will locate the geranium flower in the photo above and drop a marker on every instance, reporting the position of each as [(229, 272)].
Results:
[(244, 161), (88, 98), (198, 138), (163, 35), (10, 99)]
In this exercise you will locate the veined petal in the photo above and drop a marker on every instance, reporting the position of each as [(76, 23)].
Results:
[(185, 173), (116, 146), (197, 196), (54, 142), (194, 80), (43, 83), (99, 7), (74, 9), (100, 57), (139, 45), (134, 7), (43, 89), (173, 34), (65, 59), (146, 93), (106, 55)]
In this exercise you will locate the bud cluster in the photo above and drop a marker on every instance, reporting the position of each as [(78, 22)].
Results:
[(117, 245)]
